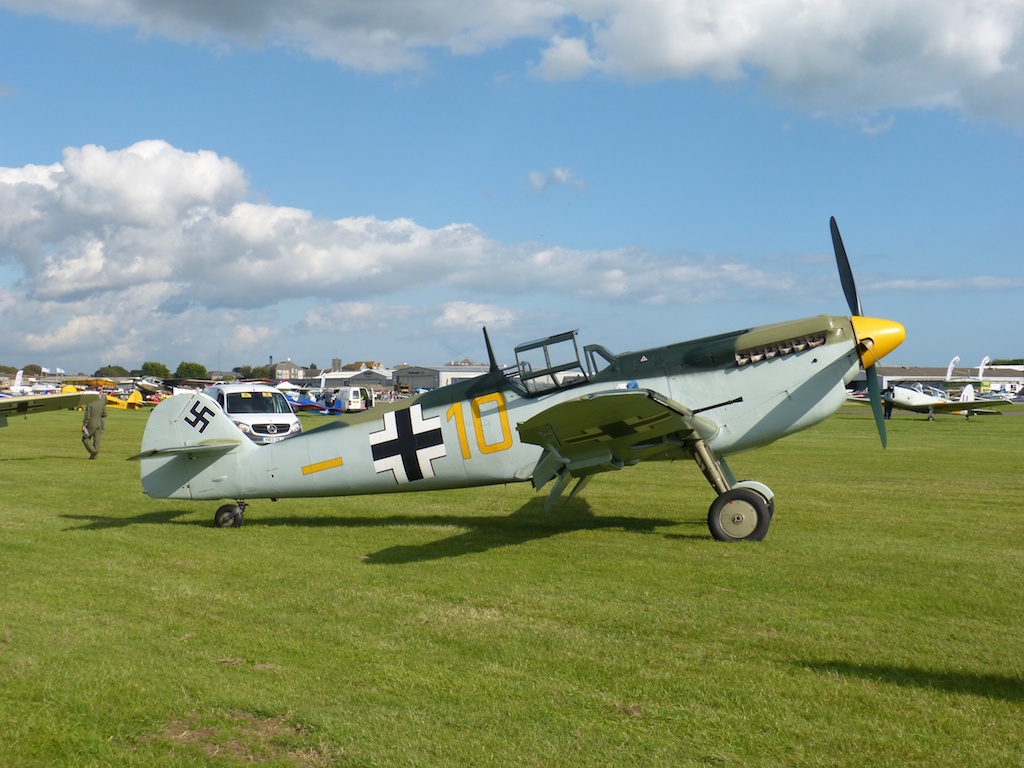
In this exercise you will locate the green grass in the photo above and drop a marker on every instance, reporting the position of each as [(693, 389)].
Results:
[(878, 624)]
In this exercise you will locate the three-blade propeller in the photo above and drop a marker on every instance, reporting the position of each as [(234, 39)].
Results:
[(853, 301)]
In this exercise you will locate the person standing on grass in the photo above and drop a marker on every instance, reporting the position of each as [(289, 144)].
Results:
[(93, 423)]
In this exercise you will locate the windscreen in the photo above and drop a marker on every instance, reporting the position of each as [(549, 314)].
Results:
[(257, 402)]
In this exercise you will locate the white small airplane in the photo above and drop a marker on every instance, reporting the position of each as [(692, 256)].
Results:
[(23, 405), (557, 416), (915, 398), (17, 388)]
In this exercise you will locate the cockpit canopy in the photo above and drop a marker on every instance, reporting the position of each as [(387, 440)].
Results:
[(555, 363)]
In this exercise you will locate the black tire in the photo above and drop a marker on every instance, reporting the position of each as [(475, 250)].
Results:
[(739, 515), (228, 516)]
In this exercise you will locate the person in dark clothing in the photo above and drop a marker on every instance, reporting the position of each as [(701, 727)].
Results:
[(93, 423)]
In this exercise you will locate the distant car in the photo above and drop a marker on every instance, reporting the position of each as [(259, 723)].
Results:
[(261, 411)]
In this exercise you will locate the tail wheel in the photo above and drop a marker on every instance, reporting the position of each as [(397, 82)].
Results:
[(739, 515), (229, 516)]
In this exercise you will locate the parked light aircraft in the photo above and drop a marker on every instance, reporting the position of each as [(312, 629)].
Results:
[(23, 405), (150, 385), (556, 416), (17, 388), (914, 398), (39, 388), (132, 402)]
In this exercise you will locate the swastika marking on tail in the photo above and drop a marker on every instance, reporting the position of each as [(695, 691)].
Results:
[(201, 416)]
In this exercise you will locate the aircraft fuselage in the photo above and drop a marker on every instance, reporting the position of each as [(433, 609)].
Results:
[(744, 389)]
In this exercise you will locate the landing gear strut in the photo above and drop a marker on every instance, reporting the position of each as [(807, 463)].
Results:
[(743, 510), (230, 515)]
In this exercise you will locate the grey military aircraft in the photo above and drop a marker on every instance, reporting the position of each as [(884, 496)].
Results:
[(560, 415)]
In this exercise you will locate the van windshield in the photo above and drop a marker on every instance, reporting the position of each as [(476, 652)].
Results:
[(257, 402)]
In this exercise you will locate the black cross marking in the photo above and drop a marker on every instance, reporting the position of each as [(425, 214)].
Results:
[(200, 417), (407, 444), (618, 429)]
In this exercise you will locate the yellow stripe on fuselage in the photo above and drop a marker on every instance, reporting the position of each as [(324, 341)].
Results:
[(320, 466)]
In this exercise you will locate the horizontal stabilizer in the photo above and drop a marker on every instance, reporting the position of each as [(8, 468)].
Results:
[(217, 445)]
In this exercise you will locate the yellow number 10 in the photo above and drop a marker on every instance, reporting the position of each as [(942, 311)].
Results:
[(476, 405)]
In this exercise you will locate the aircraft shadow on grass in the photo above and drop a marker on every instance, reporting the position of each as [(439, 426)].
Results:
[(990, 686), (101, 522), (476, 533)]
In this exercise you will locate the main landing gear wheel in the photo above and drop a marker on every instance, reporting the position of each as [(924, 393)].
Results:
[(229, 516), (739, 515)]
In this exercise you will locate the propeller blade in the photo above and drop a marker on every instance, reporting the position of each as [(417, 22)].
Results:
[(845, 273), (877, 337), (875, 393)]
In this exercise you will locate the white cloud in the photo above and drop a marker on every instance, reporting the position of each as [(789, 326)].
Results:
[(876, 126), (149, 182), (566, 59), (950, 284), (541, 181), (378, 37), (838, 57), (352, 317), (33, 175), (472, 315)]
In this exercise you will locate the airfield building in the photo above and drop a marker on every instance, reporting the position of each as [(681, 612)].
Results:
[(416, 377)]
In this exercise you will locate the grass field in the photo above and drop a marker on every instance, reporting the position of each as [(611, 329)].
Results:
[(879, 624)]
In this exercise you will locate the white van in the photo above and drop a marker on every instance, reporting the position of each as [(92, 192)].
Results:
[(259, 410), (348, 399)]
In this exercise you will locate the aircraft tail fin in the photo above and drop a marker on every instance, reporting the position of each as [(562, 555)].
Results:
[(185, 437), (189, 423), (967, 394)]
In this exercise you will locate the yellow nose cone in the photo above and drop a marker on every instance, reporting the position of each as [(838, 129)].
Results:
[(876, 338)]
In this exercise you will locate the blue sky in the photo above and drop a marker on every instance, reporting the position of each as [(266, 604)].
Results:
[(227, 182)]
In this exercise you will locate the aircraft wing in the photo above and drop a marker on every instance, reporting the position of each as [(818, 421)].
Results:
[(955, 406), (607, 431), (26, 404), (952, 406)]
